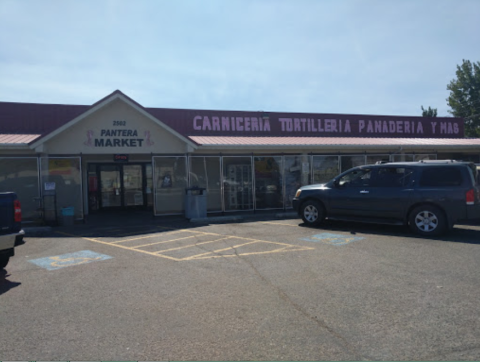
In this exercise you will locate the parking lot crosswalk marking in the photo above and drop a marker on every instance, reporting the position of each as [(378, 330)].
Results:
[(119, 246), (163, 242), (200, 256), (192, 245), (145, 237), (281, 247)]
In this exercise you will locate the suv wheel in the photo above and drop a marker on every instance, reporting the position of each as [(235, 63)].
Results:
[(428, 220), (312, 213)]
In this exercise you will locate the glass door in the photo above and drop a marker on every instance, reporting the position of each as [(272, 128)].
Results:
[(110, 186), (133, 185)]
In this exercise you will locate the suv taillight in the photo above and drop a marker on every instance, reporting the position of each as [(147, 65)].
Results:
[(18, 211), (470, 197)]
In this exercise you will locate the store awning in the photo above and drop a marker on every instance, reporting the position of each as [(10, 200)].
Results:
[(335, 142), (17, 140)]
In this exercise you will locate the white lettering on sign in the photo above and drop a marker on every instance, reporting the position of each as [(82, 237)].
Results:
[(312, 125), (390, 127), (241, 124), (366, 127), (448, 128)]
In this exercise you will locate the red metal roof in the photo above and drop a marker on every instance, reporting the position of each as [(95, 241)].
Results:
[(17, 139), (332, 141)]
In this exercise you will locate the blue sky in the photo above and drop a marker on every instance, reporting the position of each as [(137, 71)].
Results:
[(325, 56)]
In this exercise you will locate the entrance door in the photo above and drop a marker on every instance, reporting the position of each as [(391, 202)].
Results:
[(133, 185), (110, 186), (114, 186)]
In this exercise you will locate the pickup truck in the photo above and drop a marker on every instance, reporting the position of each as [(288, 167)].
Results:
[(10, 226)]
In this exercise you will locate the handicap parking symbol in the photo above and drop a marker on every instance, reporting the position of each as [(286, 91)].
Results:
[(333, 239), (70, 259)]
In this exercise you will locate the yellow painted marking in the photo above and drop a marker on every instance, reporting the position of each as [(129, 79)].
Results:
[(192, 245), (145, 237), (163, 242), (287, 247), (121, 246), (244, 254), (234, 247)]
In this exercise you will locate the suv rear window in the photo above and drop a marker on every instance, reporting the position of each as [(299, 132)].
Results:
[(441, 177)]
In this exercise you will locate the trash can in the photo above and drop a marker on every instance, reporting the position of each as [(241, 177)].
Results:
[(67, 215), (195, 203)]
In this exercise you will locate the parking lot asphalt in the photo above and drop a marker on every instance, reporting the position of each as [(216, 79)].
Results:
[(140, 288)]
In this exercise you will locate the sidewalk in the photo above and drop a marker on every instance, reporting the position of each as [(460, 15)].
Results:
[(135, 218)]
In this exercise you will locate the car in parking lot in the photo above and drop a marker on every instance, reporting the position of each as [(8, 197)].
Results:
[(429, 196), (10, 226)]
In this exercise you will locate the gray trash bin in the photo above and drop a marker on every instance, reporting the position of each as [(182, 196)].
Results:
[(195, 203)]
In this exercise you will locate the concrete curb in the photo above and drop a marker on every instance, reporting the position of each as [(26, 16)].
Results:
[(228, 218), (37, 230), (216, 219)]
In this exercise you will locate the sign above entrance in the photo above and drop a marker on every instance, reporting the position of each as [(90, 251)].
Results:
[(120, 158), (118, 136)]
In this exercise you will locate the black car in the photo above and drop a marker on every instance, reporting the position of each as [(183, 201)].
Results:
[(429, 196)]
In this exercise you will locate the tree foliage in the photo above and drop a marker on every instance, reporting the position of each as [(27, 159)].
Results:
[(464, 96), (430, 112)]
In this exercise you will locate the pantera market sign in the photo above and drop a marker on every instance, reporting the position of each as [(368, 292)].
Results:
[(118, 137)]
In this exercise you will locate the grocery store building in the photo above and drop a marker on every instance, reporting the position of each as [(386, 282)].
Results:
[(118, 155)]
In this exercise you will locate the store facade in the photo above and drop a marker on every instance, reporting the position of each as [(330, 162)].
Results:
[(117, 155)]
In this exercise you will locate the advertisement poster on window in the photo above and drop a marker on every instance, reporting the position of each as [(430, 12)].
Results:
[(60, 167)]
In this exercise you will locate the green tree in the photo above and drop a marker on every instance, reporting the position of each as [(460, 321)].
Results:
[(464, 96), (430, 112)]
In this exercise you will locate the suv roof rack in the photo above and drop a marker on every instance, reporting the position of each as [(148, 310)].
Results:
[(439, 161)]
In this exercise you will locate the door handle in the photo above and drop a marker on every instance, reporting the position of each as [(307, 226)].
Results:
[(364, 192)]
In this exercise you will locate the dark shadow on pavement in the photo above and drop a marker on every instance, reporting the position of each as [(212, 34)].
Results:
[(141, 223), (128, 223), (459, 234), (5, 284)]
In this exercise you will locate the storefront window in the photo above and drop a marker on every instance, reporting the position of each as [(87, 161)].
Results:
[(268, 182), (293, 177), (349, 162), (325, 168), (149, 184), (205, 173), (373, 159), (402, 158), (20, 175), (459, 157), (61, 177), (170, 183), (425, 157), (237, 176)]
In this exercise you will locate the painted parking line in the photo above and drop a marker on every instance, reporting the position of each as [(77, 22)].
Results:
[(70, 259), (333, 239), (143, 237), (200, 245)]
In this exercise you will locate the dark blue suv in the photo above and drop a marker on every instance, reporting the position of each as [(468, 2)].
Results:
[(429, 196)]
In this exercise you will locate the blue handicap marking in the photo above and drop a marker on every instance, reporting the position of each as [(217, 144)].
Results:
[(333, 239), (71, 259)]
